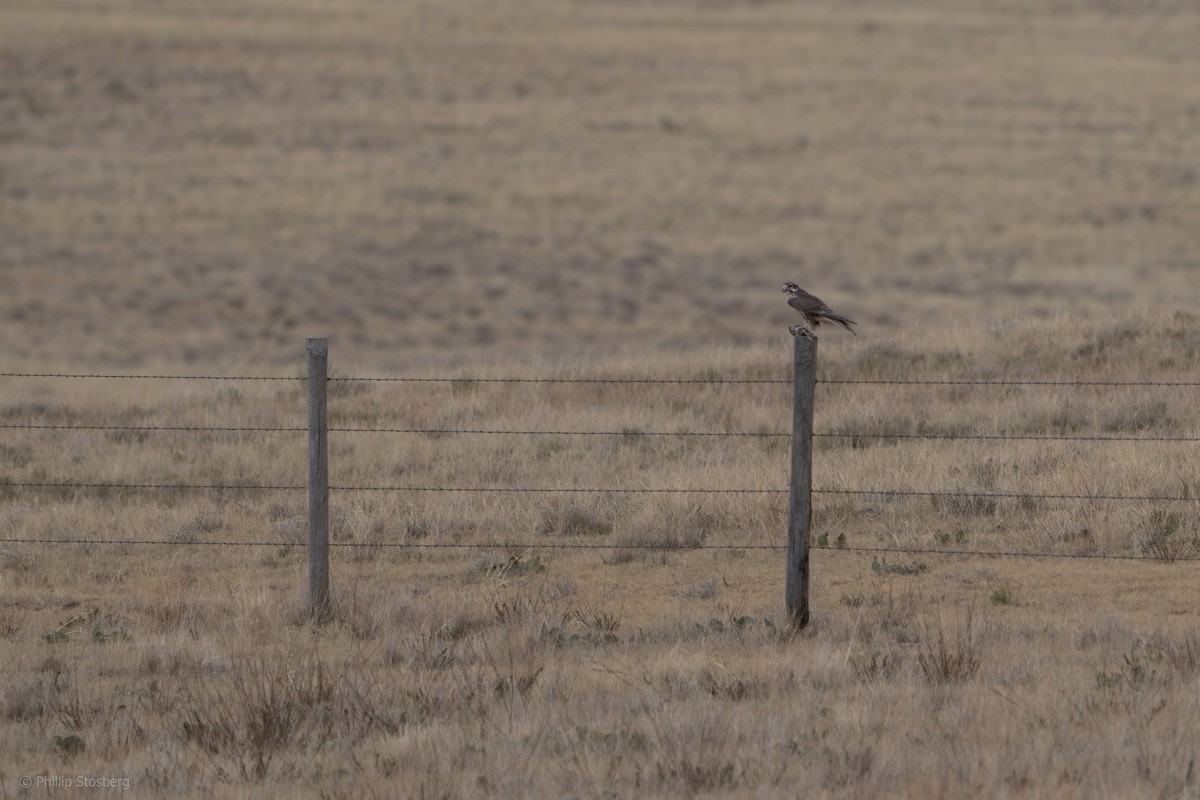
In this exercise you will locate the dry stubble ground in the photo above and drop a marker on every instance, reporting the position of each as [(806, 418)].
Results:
[(544, 188)]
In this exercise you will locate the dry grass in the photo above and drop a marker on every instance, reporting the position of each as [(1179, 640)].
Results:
[(582, 188), (509, 667)]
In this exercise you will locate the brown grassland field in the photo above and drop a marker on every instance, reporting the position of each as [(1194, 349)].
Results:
[(996, 191)]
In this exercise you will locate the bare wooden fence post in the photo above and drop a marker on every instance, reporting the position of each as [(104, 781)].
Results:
[(318, 482), (800, 502)]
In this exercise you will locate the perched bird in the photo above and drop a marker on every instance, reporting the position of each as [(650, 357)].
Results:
[(813, 309)]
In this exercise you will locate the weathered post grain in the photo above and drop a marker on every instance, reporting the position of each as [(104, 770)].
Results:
[(800, 502), (318, 482)]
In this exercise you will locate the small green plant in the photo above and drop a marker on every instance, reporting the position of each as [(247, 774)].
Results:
[(573, 520), (1002, 597), (14, 457), (702, 591), (1156, 660), (100, 636), (69, 745), (882, 567), (727, 686), (944, 539), (504, 684), (515, 566)]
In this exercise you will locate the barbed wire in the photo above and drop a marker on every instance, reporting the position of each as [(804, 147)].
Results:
[(392, 379), (701, 490), (146, 377), (767, 381), (483, 489), (557, 489), (999, 382), (621, 433), (1006, 495), (995, 553), (718, 381), (221, 543), (773, 434), (147, 486), (156, 428), (886, 493), (773, 381), (1033, 437), (609, 546)]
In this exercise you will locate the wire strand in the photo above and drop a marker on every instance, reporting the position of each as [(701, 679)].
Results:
[(614, 546), (615, 381), (607, 490), (154, 428), (1000, 382), (143, 377), (555, 489), (1032, 437), (1006, 495), (180, 486), (623, 433), (715, 381), (773, 381)]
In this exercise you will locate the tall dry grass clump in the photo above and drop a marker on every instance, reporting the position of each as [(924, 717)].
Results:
[(951, 656)]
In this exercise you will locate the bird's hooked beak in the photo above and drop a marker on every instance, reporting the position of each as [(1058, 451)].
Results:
[(787, 287)]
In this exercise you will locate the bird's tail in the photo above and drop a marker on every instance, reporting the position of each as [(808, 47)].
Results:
[(840, 320)]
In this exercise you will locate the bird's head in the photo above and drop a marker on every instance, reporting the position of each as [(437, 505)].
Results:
[(790, 288)]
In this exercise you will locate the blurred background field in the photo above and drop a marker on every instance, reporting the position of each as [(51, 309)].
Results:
[(568, 188), (428, 182)]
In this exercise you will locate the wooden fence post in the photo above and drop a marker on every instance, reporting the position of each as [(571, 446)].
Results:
[(800, 502), (318, 482)]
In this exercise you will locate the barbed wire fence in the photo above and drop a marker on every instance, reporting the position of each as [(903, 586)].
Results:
[(626, 433)]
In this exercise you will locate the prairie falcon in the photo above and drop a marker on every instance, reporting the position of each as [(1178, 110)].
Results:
[(814, 309)]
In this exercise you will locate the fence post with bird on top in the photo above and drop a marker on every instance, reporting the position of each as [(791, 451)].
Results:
[(800, 501)]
